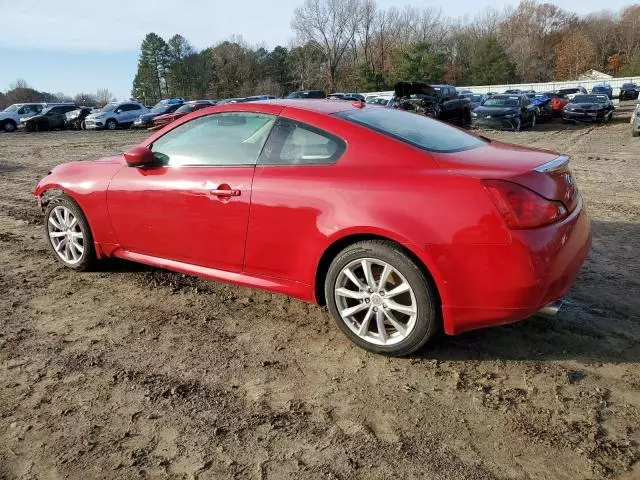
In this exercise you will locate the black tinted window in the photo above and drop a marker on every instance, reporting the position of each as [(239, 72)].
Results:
[(294, 143), (417, 130)]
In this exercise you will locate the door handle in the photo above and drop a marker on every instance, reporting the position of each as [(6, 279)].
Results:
[(225, 193)]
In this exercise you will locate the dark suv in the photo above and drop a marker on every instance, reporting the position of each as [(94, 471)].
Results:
[(629, 91)]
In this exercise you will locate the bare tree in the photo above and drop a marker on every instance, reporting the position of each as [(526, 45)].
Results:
[(330, 26), (104, 96), (19, 83)]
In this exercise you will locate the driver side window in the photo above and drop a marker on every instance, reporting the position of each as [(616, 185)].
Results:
[(234, 138)]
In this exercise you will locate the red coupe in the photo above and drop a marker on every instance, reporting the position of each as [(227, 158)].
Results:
[(400, 224), (163, 120)]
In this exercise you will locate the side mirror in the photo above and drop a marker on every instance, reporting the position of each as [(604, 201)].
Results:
[(139, 157)]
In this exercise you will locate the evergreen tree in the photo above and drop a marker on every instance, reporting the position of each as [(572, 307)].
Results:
[(150, 82), (421, 63), (491, 64)]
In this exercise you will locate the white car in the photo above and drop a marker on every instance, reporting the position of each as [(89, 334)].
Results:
[(380, 100), (10, 117), (114, 115)]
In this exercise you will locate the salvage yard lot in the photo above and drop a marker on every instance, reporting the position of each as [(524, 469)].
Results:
[(134, 372)]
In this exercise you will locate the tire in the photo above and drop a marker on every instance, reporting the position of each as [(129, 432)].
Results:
[(418, 326), (83, 126), (518, 126), (635, 133), (55, 210), (9, 126), (533, 120), (111, 124), (466, 117)]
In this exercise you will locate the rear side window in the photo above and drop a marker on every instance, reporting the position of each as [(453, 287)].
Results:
[(295, 143), (417, 130)]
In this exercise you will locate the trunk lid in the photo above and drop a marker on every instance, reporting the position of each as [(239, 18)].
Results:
[(542, 171)]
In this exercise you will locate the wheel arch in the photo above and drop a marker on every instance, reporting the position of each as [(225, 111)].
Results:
[(344, 241)]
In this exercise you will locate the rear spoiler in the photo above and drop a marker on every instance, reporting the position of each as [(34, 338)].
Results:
[(557, 163)]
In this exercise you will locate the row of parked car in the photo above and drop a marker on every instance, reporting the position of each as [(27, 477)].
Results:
[(513, 110)]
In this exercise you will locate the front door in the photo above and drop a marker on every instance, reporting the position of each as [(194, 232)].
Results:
[(192, 207)]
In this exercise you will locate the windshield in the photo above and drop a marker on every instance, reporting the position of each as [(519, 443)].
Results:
[(502, 102), (589, 99), (628, 86), (160, 108), (417, 130), (109, 107), (569, 90), (12, 108), (600, 89), (186, 109)]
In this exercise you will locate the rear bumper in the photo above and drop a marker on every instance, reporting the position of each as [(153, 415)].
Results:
[(499, 284)]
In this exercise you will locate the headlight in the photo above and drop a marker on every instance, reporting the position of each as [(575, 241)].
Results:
[(510, 115), (474, 114)]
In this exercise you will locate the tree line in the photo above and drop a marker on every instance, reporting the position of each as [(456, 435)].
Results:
[(21, 92), (352, 45)]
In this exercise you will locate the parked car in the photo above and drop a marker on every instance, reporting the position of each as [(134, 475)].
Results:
[(231, 100), (588, 108), (75, 118), (635, 122), (382, 100), (511, 240), (476, 99), (10, 117), (437, 101), (256, 98), (162, 120), (307, 94), (511, 112), (115, 115), (629, 91), (604, 89), (346, 96), (465, 92), (542, 103), (558, 101), (572, 92), (50, 118), (145, 120)]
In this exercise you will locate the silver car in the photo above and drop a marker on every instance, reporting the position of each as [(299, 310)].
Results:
[(635, 122), (115, 115)]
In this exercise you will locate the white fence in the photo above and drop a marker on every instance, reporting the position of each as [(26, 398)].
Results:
[(615, 83)]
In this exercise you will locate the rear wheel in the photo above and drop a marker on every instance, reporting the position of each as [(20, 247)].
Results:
[(381, 299), (68, 234)]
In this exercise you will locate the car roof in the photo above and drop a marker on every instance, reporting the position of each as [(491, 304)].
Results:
[(321, 105)]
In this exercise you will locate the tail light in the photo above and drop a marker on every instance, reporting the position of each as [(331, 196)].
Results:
[(522, 208)]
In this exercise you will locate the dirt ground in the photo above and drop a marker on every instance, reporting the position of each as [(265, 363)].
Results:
[(133, 372)]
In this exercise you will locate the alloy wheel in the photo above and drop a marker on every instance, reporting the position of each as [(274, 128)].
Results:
[(65, 234), (375, 301)]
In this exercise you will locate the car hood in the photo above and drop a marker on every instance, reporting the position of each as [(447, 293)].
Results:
[(145, 117), (168, 116), (405, 89), (33, 117), (495, 111)]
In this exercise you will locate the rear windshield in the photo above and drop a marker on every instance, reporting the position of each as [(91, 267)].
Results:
[(589, 99), (414, 129)]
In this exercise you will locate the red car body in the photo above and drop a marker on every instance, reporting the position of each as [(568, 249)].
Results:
[(558, 104), (283, 223)]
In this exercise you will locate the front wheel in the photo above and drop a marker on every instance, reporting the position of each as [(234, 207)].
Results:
[(381, 299), (68, 234), (111, 124)]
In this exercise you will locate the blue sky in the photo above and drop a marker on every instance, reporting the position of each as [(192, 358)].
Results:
[(76, 46)]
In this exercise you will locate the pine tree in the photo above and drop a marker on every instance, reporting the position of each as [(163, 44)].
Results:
[(150, 82), (491, 64)]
